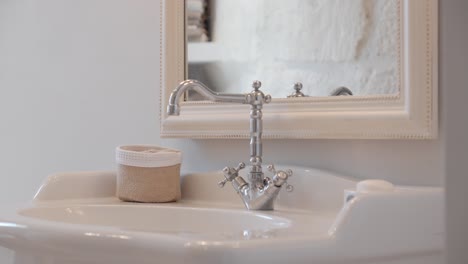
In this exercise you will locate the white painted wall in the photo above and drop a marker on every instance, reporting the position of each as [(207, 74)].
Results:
[(78, 78), (453, 71)]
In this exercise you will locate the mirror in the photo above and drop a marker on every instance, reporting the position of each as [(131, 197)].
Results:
[(387, 57), (324, 44)]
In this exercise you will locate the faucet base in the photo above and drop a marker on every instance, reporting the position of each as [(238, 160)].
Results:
[(259, 199)]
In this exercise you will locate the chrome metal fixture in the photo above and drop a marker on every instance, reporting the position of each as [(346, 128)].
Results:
[(297, 91), (341, 91), (260, 192)]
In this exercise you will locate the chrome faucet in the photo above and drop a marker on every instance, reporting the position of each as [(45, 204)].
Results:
[(260, 192)]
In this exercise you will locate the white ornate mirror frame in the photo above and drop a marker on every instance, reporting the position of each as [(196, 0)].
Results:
[(411, 114)]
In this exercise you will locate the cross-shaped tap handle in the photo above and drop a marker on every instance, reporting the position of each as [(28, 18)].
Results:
[(281, 177), (230, 174)]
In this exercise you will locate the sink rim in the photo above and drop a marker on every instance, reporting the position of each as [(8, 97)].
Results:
[(115, 215), (300, 224)]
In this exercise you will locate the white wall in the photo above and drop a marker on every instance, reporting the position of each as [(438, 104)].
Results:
[(454, 68), (78, 78)]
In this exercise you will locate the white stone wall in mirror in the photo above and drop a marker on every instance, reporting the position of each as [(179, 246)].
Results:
[(385, 51), (325, 44)]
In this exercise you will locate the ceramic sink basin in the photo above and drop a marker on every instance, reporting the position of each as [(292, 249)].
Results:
[(180, 221), (75, 219)]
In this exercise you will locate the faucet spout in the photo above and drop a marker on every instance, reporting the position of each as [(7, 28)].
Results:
[(173, 107)]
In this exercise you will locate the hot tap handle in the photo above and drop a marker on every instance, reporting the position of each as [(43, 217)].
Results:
[(240, 167), (222, 183), (230, 174)]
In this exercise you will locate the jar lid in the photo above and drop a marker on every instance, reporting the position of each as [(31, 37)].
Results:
[(147, 156)]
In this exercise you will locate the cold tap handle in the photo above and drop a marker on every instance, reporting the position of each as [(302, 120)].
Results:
[(280, 177), (271, 168)]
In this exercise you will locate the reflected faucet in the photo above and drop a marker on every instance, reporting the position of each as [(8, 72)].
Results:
[(260, 192)]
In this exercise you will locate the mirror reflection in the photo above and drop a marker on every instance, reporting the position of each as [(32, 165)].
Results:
[(328, 46)]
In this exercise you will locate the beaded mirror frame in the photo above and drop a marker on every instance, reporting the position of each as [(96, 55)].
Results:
[(410, 114)]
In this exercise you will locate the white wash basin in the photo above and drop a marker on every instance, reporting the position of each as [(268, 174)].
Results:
[(75, 219), (180, 221)]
